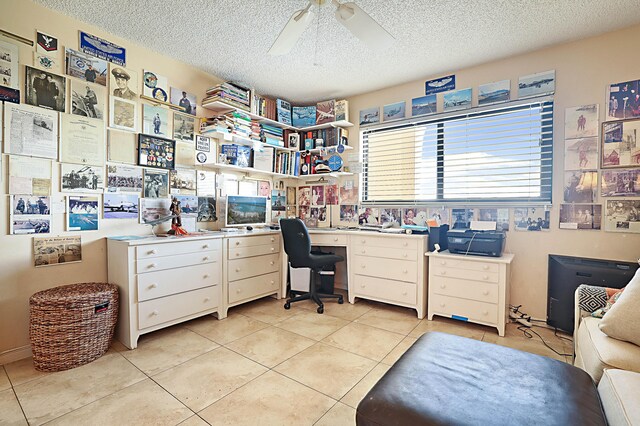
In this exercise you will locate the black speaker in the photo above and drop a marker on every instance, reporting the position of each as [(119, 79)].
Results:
[(438, 234)]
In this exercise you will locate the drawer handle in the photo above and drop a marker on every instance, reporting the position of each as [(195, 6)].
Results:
[(485, 267), (404, 271), (206, 246), (364, 251), (154, 313), (404, 293), (443, 286), (152, 252), (205, 276), (206, 299), (151, 265), (443, 272), (272, 282), (486, 292), (237, 269), (404, 244), (272, 263), (485, 312), (237, 243), (238, 291), (273, 249), (404, 255), (442, 305), (272, 239), (364, 241), (363, 266), (335, 238), (237, 254), (154, 285), (204, 259), (362, 286), (485, 277), (443, 262)]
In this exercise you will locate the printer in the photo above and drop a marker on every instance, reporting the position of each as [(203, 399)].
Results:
[(483, 243)]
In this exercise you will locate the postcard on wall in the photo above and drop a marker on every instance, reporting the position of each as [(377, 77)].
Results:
[(30, 214), (9, 64), (88, 100), (206, 184), (304, 196), (121, 147), (580, 216), (390, 216), (183, 127), (623, 100), (278, 200), (423, 105), (581, 154), (264, 189), (317, 195), (207, 209), (156, 183), (183, 181), (620, 183), (81, 140), (57, 250), (440, 214), (442, 84), (156, 152), (123, 114), (82, 213), (492, 93), (155, 120), (123, 82), (30, 131), (122, 178), (622, 216), (459, 99), (155, 86), (348, 215), (103, 49), (499, 216), (81, 178), (461, 218), (188, 204), (120, 206), (330, 194), (85, 67), (185, 100), (29, 175), (368, 216), (185, 154), (45, 62), (46, 43), (369, 116), (205, 150), (537, 84), (394, 111), (580, 186), (154, 209), (348, 193), (320, 216), (620, 144), (531, 219), (581, 121)]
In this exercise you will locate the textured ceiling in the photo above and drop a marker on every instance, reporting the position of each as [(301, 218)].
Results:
[(230, 38)]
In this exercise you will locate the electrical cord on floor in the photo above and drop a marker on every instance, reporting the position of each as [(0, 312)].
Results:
[(555, 329), (529, 332)]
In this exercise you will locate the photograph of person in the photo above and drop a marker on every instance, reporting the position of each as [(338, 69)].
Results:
[(123, 83), (44, 89)]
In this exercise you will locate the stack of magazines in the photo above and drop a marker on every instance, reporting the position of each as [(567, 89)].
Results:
[(222, 124), (271, 135), (242, 125), (229, 93)]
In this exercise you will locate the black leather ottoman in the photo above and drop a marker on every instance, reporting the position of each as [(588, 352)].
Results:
[(450, 380)]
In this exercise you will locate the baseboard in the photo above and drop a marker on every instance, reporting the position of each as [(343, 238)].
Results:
[(15, 354)]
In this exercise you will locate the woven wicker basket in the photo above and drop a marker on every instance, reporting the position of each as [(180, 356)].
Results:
[(72, 325)]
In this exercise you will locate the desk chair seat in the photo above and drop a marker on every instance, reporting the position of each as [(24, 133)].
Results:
[(297, 245)]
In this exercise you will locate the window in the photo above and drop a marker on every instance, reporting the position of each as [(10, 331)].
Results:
[(494, 156)]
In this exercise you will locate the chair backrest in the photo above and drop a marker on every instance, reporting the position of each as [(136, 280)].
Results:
[(297, 243)]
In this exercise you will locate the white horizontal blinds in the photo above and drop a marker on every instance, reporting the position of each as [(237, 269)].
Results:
[(498, 155)]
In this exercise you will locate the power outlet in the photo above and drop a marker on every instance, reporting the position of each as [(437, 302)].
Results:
[(524, 322)]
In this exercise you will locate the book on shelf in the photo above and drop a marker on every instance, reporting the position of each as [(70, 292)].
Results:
[(325, 112), (231, 103), (263, 158), (342, 110), (303, 116), (284, 112), (244, 158), (230, 152)]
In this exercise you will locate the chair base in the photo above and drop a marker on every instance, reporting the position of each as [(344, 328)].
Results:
[(316, 297)]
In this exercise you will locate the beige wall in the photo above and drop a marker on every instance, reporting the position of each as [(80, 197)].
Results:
[(18, 278), (583, 71)]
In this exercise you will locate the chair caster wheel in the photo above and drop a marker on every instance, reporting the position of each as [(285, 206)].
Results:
[(320, 309), (340, 301), (287, 305)]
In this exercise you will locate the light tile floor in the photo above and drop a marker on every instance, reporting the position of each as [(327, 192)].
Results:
[(261, 365)]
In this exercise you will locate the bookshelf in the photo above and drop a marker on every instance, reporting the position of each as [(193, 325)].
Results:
[(238, 169)]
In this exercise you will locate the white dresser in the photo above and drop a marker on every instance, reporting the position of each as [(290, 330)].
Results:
[(164, 281), (388, 268), (469, 288), (252, 268)]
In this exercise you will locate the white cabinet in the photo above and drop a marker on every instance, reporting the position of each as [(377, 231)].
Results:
[(469, 288), (389, 268), (164, 281)]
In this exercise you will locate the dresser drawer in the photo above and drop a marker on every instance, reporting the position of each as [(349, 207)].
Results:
[(381, 289), (470, 309), (250, 251), (254, 286), (402, 254), (407, 243), (328, 239), (164, 309), (472, 290), (165, 283), (470, 265), (402, 270), (173, 248), (245, 268), (465, 274), (177, 261), (253, 240)]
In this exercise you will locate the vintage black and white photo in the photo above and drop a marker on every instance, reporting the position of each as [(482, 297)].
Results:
[(580, 216), (622, 216), (30, 131), (155, 120), (537, 84), (81, 178), (156, 183), (85, 67), (183, 127), (581, 154), (123, 83), (88, 100), (120, 206), (185, 100), (121, 178), (581, 121), (30, 205), (620, 144), (45, 89), (499, 216), (620, 183), (623, 100), (531, 219), (207, 209), (183, 181), (580, 186), (123, 114), (9, 55), (21, 225), (57, 250)]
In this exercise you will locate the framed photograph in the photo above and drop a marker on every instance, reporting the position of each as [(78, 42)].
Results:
[(122, 147), (331, 195), (392, 216), (304, 196), (580, 216), (22, 225), (531, 219), (30, 131), (369, 116), (182, 181), (319, 216), (348, 215), (9, 64), (620, 146), (82, 213), (156, 183), (185, 100), (120, 206), (154, 209), (44, 89), (85, 67), (30, 214), (461, 218), (456, 100), (581, 121), (317, 195), (183, 127), (623, 100), (188, 205), (207, 209), (121, 178), (123, 114), (325, 112), (45, 62), (156, 152), (294, 140), (499, 216), (88, 100), (123, 83), (622, 216), (57, 250), (155, 86), (424, 105), (185, 154), (81, 178), (155, 120), (537, 84), (581, 154), (442, 215), (580, 186), (278, 200), (492, 93), (206, 185), (620, 183), (348, 193), (394, 111), (368, 216), (291, 195)]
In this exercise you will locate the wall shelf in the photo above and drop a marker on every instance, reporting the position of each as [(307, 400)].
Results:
[(231, 168)]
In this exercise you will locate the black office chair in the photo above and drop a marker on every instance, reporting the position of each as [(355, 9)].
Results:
[(297, 245)]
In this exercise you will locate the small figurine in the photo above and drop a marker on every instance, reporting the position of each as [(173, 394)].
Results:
[(176, 220)]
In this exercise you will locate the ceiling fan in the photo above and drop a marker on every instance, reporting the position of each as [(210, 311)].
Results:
[(348, 14)]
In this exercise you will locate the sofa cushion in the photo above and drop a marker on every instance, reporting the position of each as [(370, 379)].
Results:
[(597, 351), (619, 392), (623, 319)]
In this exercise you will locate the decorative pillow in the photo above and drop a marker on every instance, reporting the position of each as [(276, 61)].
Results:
[(622, 322), (612, 297)]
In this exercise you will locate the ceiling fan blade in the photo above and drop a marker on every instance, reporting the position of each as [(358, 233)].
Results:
[(292, 31), (362, 25)]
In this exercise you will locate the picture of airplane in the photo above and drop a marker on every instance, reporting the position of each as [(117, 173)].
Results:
[(460, 99), (423, 105), (537, 84), (394, 111), (370, 116), (490, 93)]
